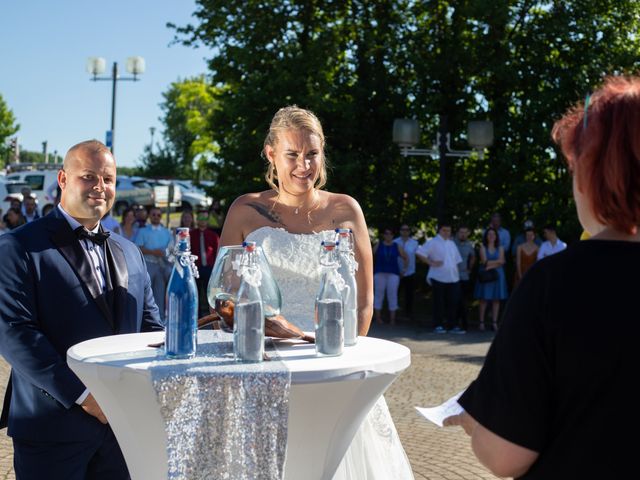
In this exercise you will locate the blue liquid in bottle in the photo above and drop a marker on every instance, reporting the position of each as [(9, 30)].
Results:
[(182, 302)]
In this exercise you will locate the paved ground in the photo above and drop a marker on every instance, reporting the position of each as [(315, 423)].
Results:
[(441, 365)]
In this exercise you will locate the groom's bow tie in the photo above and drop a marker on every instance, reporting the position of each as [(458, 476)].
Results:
[(97, 238)]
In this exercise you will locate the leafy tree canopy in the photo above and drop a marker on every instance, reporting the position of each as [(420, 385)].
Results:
[(188, 145), (360, 64)]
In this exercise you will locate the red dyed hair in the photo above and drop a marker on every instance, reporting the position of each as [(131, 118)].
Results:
[(603, 151)]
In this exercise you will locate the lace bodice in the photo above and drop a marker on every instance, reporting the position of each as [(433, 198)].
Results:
[(293, 258)]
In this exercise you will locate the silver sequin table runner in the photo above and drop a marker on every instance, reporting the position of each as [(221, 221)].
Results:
[(224, 420)]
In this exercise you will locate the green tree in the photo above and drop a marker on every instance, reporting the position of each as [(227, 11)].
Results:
[(28, 156), (8, 127), (187, 108), (360, 64)]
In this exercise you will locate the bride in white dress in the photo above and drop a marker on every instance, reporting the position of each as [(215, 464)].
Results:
[(290, 221)]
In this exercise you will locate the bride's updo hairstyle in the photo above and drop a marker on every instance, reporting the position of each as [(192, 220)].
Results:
[(294, 118), (600, 139)]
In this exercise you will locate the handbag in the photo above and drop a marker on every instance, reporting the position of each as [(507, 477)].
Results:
[(487, 276)]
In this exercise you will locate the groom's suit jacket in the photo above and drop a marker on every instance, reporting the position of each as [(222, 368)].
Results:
[(50, 299)]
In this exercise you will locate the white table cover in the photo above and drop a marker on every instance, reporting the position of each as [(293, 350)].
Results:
[(329, 398)]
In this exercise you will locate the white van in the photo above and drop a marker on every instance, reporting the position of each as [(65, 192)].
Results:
[(41, 177)]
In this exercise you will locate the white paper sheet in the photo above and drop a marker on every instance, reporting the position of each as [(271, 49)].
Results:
[(447, 409)]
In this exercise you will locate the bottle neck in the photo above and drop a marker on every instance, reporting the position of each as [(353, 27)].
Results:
[(183, 248)]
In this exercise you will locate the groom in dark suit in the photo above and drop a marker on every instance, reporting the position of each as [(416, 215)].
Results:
[(64, 280)]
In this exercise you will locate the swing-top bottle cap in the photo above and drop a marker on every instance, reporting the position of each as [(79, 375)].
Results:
[(249, 246), (328, 245), (182, 233), (343, 231)]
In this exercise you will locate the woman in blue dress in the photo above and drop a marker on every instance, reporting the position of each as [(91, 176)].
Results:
[(491, 258), (386, 278)]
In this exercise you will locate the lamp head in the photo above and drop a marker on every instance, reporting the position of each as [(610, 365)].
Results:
[(406, 132), (480, 134), (135, 65), (96, 65)]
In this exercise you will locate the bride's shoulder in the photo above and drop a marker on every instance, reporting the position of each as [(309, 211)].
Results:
[(341, 200), (250, 199), (247, 213), (343, 206)]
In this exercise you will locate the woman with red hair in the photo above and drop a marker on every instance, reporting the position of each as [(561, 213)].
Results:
[(546, 403)]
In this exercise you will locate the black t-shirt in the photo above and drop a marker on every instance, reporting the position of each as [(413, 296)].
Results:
[(557, 376)]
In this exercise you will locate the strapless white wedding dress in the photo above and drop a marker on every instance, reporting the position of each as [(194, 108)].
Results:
[(375, 452)]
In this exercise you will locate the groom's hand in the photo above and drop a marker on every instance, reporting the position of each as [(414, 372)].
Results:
[(92, 408)]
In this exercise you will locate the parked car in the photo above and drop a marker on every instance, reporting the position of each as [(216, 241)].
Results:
[(132, 191), (193, 198), (163, 189), (42, 178)]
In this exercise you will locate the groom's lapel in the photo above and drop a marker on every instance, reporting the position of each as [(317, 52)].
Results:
[(69, 247)]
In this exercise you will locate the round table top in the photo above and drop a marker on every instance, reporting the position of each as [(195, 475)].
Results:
[(369, 357)]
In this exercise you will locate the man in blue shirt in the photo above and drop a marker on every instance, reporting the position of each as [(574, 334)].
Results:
[(153, 240)]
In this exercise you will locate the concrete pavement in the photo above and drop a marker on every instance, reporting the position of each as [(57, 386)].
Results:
[(441, 365)]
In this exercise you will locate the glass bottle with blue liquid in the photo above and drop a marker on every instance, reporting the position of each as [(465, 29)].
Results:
[(181, 327)]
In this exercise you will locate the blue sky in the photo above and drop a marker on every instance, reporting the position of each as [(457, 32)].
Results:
[(44, 46)]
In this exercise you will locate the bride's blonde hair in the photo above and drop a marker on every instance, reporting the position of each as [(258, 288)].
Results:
[(294, 118)]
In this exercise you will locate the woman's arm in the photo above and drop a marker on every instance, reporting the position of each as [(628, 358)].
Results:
[(502, 457), (232, 230), (496, 263), (364, 257), (405, 258), (483, 256)]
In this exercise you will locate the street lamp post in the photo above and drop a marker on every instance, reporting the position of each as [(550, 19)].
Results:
[(152, 130), (96, 66), (406, 133)]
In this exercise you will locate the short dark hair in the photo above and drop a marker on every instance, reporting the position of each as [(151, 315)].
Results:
[(445, 222)]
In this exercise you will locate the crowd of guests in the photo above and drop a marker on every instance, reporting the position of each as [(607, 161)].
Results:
[(459, 271), (144, 228)]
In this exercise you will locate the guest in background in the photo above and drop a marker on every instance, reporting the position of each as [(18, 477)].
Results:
[(544, 405), (47, 208), (186, 219), (13, 218), (552, 245), (442, 256), (110, 223), (216, 216), (204, 244), (26, 193), (491, 258), (128, 225), (141, 215), (153, 240), (465, 267), (407, 279), (520, 238), (30, 210), (526, 255), (386, 275), (503, 233)]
